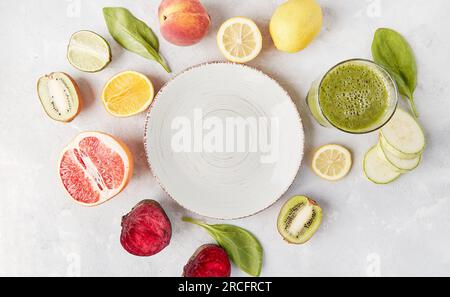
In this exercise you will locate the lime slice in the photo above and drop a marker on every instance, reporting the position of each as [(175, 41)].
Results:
[(88, 51)]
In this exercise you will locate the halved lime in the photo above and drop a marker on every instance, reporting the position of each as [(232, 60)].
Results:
[(88, 51)]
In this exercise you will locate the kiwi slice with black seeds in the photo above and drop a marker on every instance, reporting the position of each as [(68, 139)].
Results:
[(59, 96), (299, 219)]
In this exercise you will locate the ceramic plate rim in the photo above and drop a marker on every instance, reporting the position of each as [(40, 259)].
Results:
[(300, 149)]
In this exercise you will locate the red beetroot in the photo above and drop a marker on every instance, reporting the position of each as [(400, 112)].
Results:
[(209, 260), (146, 230)]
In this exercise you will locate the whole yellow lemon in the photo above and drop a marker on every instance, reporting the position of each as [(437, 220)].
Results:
[(295, 24)]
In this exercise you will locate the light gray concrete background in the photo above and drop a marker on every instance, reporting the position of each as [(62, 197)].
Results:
[(402, 229)]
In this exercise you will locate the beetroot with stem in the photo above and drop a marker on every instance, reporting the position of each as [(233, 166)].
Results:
[(209, 260), (146, 230)]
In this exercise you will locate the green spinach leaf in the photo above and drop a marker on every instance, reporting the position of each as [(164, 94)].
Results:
[(133, 34), (242, 247), (391, 50)]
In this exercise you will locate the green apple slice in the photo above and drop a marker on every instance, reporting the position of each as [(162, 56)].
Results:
[(88, 51)]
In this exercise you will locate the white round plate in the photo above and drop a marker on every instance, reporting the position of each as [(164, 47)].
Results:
[(224, 140)]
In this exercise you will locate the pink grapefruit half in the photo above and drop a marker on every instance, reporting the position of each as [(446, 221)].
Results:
[(94, 168)]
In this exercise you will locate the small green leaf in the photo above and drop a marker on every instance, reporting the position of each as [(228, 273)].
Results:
[(133, 34), (242, 247), (391, 50)]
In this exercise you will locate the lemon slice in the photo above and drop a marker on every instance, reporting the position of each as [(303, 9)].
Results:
[(239, 39), (332, 162), (88, 51), (128, 93)]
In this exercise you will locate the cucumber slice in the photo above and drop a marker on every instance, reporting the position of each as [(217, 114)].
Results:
[(396, 152), (378, 170), (404, 165), (404, 134), (382, 155)]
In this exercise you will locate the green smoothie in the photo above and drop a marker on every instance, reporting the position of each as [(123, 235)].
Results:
[(353, 96)]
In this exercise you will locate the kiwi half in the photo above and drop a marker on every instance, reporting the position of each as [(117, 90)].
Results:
[(299, 219), (59, 96)]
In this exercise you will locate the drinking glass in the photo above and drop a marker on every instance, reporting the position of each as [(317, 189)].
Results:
[(314, 102)]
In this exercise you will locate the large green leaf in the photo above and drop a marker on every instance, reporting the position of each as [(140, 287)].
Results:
[(133, 34), (391, 50), (242, 247)]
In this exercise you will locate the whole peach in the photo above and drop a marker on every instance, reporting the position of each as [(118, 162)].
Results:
[(183, 22)]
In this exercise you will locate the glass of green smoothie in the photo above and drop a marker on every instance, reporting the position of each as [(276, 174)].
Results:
[(356, 96)]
